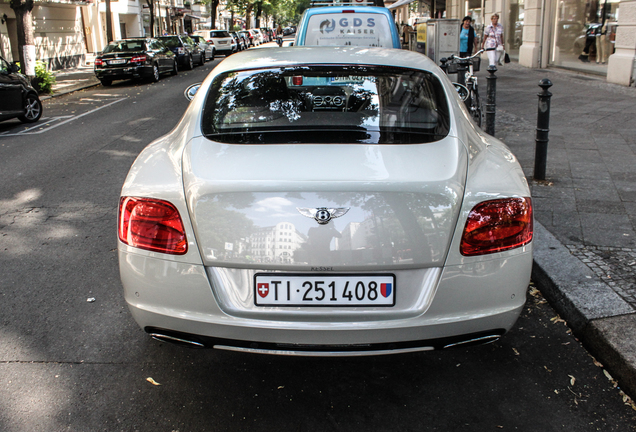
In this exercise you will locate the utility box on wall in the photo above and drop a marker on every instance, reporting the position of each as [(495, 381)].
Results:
[(442, 38)]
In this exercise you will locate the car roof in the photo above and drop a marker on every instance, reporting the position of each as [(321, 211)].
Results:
[(327, 55), (339, 9)]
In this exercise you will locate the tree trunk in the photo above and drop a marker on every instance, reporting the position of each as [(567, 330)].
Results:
[(24, 27), (259, 7), (248, 16), (213, 6), (109, 23), (151, 10)]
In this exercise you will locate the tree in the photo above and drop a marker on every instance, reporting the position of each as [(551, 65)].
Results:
[(213, 4), (24, 27), (151, 10)]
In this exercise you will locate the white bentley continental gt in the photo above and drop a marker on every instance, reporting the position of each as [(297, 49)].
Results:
[(326, 201)]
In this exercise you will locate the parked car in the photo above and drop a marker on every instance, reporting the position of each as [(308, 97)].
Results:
[(187, 51), (17, 97), (266, 34), (252, 38), (259, 35), (352, 25), (223, 42), (134, 58), (241, 43), (208, 49), (326, 201)]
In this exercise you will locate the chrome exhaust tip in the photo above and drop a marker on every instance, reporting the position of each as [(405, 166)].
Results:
[(483, 340), (175, 340)]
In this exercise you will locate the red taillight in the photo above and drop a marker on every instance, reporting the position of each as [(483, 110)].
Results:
[(98, 62), (151, 224), (497, 225), (139, 59), (297, 80)]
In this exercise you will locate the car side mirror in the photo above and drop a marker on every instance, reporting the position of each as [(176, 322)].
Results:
[(191, 91)]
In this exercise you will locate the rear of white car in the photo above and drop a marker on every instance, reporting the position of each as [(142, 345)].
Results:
[(223, 42), (344, 207)]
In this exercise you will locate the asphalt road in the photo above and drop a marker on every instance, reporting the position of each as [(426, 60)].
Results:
[(70, 364)]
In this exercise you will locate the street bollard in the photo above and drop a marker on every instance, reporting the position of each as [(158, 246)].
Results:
[(491, 106), (543, 127)]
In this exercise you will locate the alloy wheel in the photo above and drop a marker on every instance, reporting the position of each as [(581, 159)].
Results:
[(32, 110)]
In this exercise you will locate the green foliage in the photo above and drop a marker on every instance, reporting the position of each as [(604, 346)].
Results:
[(44, 78)]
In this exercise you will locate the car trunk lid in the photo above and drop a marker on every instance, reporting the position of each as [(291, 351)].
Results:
[(338, 207)]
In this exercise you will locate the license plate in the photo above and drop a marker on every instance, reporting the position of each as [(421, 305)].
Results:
[(117, 61), (280, 289), (347, 79)]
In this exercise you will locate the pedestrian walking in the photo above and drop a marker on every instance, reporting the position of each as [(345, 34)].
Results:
[(467, 39), (279, 35), (493, 40)]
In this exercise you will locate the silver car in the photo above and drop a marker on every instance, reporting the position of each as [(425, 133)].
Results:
[(208, 49), (326, 201)]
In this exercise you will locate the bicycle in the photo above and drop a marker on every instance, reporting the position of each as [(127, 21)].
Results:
[(468, 81)]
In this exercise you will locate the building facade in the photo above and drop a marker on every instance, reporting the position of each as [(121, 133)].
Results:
[(66, 32), (592, 36)]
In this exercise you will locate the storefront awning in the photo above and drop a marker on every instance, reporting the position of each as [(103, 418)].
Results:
[(193, 17), (399, 3)]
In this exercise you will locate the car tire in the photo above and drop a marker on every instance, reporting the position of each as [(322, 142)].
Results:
[(189, 63), (175, 68), (202, 59), (213, 54), (155, 73), (33, 109), (106, 82)]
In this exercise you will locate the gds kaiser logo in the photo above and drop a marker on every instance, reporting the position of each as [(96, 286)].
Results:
[(329, 25)]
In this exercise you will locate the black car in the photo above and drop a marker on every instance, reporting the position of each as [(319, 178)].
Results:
[(17, 97), (188, 52), (134, 58)]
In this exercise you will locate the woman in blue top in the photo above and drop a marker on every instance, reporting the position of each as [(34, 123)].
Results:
[(467, 39)]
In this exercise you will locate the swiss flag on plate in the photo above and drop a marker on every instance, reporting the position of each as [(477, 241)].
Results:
[(262, 289)]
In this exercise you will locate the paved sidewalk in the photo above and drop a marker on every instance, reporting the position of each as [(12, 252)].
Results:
[(585, 211), (70, 80)]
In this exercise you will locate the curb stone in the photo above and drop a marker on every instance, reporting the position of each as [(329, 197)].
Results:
[(600, 318)]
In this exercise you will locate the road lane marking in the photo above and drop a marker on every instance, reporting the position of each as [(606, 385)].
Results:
[(68, 119)]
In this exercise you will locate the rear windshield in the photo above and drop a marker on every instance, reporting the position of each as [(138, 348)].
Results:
[(171, 41), (318, 104), (125, 46), (357, 29), (219, 34)]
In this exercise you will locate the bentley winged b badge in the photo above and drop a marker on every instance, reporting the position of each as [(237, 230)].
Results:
[(322, 215)]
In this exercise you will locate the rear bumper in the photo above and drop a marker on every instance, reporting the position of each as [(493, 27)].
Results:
[(177, 300), (143, 71)]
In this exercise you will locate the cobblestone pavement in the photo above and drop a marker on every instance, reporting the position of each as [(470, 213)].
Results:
[(615, 266)]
